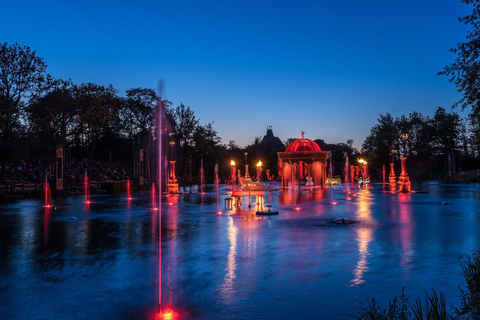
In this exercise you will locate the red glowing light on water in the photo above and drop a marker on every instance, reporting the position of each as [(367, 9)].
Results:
[(48, 195), (334, 202), (129, 195), (202, 193), (219, 212), (170, 203), (296, 208), (86, 189), (154, 209), (167, 315), (349, 198)]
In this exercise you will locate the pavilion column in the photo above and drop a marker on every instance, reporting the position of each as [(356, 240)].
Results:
[(324, 180)]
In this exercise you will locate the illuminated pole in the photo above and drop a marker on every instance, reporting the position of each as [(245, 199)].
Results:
[(391, 176), (247, 176), (404, 180), (383, 176), (259, 170), (232, 173)]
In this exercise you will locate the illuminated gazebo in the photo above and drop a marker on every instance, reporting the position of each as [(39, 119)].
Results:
[(302, 159)]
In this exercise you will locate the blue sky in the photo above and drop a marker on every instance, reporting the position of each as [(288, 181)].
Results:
[(326, 67)]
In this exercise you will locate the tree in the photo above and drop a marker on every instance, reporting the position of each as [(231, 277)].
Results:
[(137, 111), (465, 71), (382, 139), (97, 111), (184, 127), (22, 75), (447, 126)]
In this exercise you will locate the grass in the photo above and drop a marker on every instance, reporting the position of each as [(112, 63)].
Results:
[(470, 293), (434, 305)]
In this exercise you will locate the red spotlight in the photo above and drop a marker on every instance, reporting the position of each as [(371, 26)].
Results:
[(167, 315)]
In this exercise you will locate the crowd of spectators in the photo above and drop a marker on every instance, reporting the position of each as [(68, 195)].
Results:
[(97, 171), (74, 172)]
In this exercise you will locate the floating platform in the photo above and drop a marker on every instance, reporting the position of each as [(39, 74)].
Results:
[(342, 221), (242, 193), (267, 213)]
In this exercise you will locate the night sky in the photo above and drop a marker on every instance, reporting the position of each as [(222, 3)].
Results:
[(326, 67)]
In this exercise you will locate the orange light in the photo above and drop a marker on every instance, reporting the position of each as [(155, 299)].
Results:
[(167, 315), (362, 162), (155, 209), (349, 198), (259, 164), (170, 203), (334, 202), (219, 212), (232, 163), (296, 208)]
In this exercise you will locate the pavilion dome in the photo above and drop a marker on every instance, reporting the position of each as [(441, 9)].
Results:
[(303, 145)]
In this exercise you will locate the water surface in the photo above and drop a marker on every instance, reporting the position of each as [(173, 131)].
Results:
[(100, 261)]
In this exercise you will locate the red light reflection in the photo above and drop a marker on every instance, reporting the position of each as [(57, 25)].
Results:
[(168, 314)]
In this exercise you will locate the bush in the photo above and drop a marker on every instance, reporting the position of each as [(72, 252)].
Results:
[(434, 305), (470, 296)]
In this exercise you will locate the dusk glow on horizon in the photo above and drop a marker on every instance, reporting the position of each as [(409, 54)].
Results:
[(328, 67)]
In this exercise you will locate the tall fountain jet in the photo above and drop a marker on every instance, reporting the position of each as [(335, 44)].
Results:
[(217, 181), (159, 140), (347, 166), (129, 194), (404, 181), (86, 188), (164, 309), (48, 194), (202, 178), (154, 198)]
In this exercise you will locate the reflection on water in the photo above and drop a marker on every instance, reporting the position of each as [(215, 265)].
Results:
[(228, 282), (59, 263), (364, 236), (406, 233)]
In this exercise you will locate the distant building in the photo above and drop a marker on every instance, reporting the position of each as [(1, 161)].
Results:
[(274, 142)]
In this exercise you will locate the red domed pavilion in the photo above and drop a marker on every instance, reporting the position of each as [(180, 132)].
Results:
[(303, 158)]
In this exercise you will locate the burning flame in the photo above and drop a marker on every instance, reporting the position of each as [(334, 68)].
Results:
[(232, 163), (362, 162), (259, 164)]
